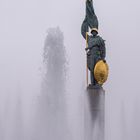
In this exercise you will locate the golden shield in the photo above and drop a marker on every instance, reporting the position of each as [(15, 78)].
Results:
[(101, 71)]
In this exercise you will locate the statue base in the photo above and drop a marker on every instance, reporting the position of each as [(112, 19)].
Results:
[(94, 86), (94, 114)]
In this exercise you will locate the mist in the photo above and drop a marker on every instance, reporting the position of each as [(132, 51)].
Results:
[(27, 78), (51, 117)]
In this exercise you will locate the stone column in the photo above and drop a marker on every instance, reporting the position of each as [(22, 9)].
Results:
[(94, 114)]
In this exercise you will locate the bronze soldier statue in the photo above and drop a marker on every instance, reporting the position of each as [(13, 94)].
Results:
[(96, 50)]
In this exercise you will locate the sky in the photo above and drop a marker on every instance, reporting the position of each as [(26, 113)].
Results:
[(23, 28)]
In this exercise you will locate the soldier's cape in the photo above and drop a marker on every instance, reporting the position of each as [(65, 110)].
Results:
[(90, 20)]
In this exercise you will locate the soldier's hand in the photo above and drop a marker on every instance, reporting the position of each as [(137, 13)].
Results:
[(86, 49), (104, 61)]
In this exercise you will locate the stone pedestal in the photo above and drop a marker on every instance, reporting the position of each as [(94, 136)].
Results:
[(94, 114)]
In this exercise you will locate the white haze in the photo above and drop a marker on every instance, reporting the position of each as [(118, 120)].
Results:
[(23, 29)]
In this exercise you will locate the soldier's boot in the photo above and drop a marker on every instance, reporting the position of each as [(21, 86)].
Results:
[(92, 78), (94, 83)]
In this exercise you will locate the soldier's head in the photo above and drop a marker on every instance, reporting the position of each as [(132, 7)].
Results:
[(94, 31)]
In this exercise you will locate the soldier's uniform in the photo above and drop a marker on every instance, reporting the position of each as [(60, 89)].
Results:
[(96, 45)]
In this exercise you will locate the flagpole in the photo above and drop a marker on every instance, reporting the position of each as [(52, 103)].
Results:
[(86, 58)]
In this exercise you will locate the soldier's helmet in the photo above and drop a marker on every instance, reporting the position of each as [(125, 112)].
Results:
[(101, 71), (94, 29)]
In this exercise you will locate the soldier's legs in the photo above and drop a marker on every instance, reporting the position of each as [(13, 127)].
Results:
[(93, 81), (92, 78)]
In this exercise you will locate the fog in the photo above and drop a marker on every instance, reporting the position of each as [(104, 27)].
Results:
[(24, 95), (50, 116)]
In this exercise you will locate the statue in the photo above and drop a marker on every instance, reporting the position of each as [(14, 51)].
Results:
[(96, 50)]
